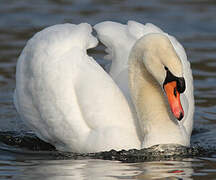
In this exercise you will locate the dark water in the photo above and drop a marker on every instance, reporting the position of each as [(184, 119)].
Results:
[(193, 22)]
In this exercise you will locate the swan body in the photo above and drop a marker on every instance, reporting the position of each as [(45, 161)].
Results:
[(68, 100)]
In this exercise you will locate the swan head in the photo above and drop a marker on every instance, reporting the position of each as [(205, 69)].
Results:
[(163, 63)]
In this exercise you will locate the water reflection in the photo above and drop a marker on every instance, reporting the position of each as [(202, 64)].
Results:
[(100, 169), (170, 170)]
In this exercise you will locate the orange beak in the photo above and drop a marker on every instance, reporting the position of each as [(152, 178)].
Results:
[(174, 99)]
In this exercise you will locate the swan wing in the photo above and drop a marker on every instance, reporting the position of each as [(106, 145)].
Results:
[(119, 39), (66, 97)]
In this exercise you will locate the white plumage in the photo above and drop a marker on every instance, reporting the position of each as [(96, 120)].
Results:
[(68, 100)]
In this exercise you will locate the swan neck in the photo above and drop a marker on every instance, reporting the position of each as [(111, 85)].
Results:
[(146, 91), (154, 115)]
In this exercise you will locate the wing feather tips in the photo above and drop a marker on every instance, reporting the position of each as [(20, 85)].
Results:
[(110, 34), (91, 41)]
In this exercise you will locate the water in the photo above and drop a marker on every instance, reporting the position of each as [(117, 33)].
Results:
[(193, 22)]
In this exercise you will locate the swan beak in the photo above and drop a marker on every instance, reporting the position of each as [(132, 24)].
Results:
[(174, 99)]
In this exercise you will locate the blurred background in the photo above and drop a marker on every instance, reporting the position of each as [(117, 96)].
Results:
[(192, 22)]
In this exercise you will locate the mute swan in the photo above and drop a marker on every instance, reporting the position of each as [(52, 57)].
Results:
[(68, 100)]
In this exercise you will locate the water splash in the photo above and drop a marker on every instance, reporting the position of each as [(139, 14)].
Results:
[(28, 143)]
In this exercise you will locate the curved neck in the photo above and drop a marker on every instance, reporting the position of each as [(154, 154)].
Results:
[(155, 119)]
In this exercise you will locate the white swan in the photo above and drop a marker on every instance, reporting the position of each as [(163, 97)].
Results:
[(71, 102)]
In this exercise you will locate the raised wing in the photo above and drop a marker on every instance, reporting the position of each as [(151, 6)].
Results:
[(66, 97)]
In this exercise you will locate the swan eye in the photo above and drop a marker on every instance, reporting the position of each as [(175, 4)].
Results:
[(166, 68)]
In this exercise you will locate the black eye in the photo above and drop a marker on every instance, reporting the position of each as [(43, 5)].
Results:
[(166, 68)]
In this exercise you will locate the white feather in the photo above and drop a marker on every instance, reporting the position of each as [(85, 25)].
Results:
[(70, 101)]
